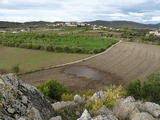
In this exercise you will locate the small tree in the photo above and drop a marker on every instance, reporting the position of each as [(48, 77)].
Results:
[(15, 68)]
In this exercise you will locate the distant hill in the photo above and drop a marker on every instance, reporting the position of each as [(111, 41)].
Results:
[(118, 24), (4, 24)]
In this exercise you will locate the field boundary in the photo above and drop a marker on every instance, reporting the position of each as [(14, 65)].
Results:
[(74, 62)]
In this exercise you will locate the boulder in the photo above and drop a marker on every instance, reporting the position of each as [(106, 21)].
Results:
[(104, 112), (125, 107), (141, 116), (20, 100), (99, 95), (103, 117), (85, 116), (56, 118), (61, 105), (78, 99), (152, 108)]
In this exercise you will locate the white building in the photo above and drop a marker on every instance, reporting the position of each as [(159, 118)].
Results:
[(155, 32)]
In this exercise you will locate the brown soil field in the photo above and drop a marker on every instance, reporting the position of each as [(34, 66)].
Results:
[(123, 63)]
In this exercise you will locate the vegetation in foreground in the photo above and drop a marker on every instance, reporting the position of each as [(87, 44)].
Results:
[(147, 91)]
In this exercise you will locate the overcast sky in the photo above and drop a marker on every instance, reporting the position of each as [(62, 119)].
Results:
[(143, 11)]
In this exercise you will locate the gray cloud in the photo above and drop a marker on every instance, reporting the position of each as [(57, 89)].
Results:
[(145, 11)]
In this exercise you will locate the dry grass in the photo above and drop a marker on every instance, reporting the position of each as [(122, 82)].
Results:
[(33, 59)]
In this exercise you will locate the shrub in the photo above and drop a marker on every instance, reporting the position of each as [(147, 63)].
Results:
[(134, 89), (15, 69), (148, 91), (113, 93), (36, 47), (59, 49), (67, 97), (50, 48), (67, 49), (53, 90)]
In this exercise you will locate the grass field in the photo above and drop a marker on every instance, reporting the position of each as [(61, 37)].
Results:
[(33, 59), (51, 41)]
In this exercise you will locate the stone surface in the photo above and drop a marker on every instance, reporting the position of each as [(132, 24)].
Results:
[(85, 116), (152, 108), (124, 108), (98, 95), (61, 105), (108, 114), (56, 118), (78, 99), (20, 100), (141, 116)]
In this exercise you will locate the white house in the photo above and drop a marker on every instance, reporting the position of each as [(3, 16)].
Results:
[(155, 32)]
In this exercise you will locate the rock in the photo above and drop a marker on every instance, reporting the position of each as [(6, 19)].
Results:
[(78, 99), (106, 113), (24, 99), (19, 100), (85, 116), (152, 108), (141, 116), (99, 95), (61, 105), (103, 117), (56, 118), (124, 108)]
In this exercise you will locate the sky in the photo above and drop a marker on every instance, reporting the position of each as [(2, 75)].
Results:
[(142, 11)]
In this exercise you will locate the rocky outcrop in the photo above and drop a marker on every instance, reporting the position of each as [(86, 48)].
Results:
[(78, 99), (22, 101), (99, 95), (85, 116), (125, 107), (130, 109), (152, 108), (61, 105), (104, 114), (141, 116)]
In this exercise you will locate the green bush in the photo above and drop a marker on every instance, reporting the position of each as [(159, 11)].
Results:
[(52, 90), (67, 97), (134, 89), (15, 69), (148, 91)]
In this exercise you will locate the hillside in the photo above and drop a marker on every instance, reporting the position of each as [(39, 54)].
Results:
[(118, 24)]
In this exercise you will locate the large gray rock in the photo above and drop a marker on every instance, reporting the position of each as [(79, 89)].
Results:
[(99, 95), (78, 99), (141, 116), (56, 118), (61, 105), (104, 112), (85, 116), (21, 100), (152, 108), (124, 108)]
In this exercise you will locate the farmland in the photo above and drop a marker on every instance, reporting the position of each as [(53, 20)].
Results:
[(29, 60), (120, 65), (58, 41)]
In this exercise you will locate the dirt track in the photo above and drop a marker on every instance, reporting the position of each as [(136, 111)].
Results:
[(121, 64)]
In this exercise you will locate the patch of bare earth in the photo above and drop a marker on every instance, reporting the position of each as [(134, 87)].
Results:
[(121, 64)]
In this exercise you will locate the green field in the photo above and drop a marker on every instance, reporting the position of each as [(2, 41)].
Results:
[(33, 59), (70, 42)]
